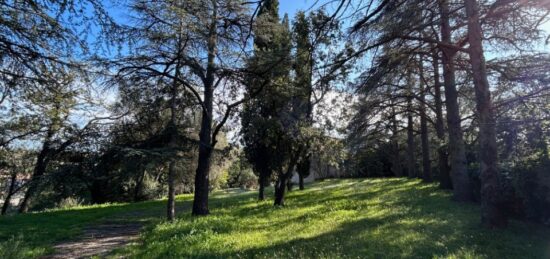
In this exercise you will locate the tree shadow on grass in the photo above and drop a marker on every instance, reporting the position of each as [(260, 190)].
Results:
[(399, 219)]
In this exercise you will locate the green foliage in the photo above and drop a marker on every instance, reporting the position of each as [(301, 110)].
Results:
[(240, 174)]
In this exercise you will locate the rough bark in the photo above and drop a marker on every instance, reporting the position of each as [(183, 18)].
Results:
[(200, 201), (492, 213), (462, 189), (11, 190), (443, 157)]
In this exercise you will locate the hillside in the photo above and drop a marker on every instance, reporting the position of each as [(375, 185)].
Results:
[(371, 218)]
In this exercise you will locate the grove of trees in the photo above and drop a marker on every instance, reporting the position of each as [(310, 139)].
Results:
[(189, 96)]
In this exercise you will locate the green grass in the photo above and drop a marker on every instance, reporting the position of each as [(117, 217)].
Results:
[(375, 218)]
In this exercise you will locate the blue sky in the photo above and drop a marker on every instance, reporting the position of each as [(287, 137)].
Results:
[(292, 6)]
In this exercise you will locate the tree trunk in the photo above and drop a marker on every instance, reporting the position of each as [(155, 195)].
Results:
[(426, 163), (396, 158), (304, 167), (462, 189), (171, 207), (492, 213), (200, 201), (173, 130), (34, 182), (261, 181), (11, 190), (283, 178), (443, 158), (289, 185), (301, 181), (410, 133), (139, 185), (280, 189), (410, 147)]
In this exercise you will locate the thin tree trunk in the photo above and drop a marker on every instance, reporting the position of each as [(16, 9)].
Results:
[(396, 158), (301, 181), (200, 201), (462, 189), (410, 133), (426, 163), (492, 213), (11, 190), (261, 181), (410, 147), (443, 158), (171, 207), (173, 130)]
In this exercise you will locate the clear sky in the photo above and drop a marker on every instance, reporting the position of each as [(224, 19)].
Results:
[(292, 6)]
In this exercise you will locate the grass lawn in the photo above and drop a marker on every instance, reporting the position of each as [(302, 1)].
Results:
[(374, 218)]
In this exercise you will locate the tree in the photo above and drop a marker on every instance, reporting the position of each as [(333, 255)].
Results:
[(492, 214), (303, 67), (257, 117)]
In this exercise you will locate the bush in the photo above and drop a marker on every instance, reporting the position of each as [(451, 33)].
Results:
[(532, 188), (240, 175), (69, 202)]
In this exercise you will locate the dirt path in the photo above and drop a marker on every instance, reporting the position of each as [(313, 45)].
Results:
[(102, 238), (98, 240)]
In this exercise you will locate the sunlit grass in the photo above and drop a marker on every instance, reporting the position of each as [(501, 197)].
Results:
[(389, 218), (375, 218)]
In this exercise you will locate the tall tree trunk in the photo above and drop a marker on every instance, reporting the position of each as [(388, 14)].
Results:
[(426, 163), (173, 130), (462, 188), (171, 207), (492, 213), (410, 133), (443, 158), (206, 146), (11, 190)]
